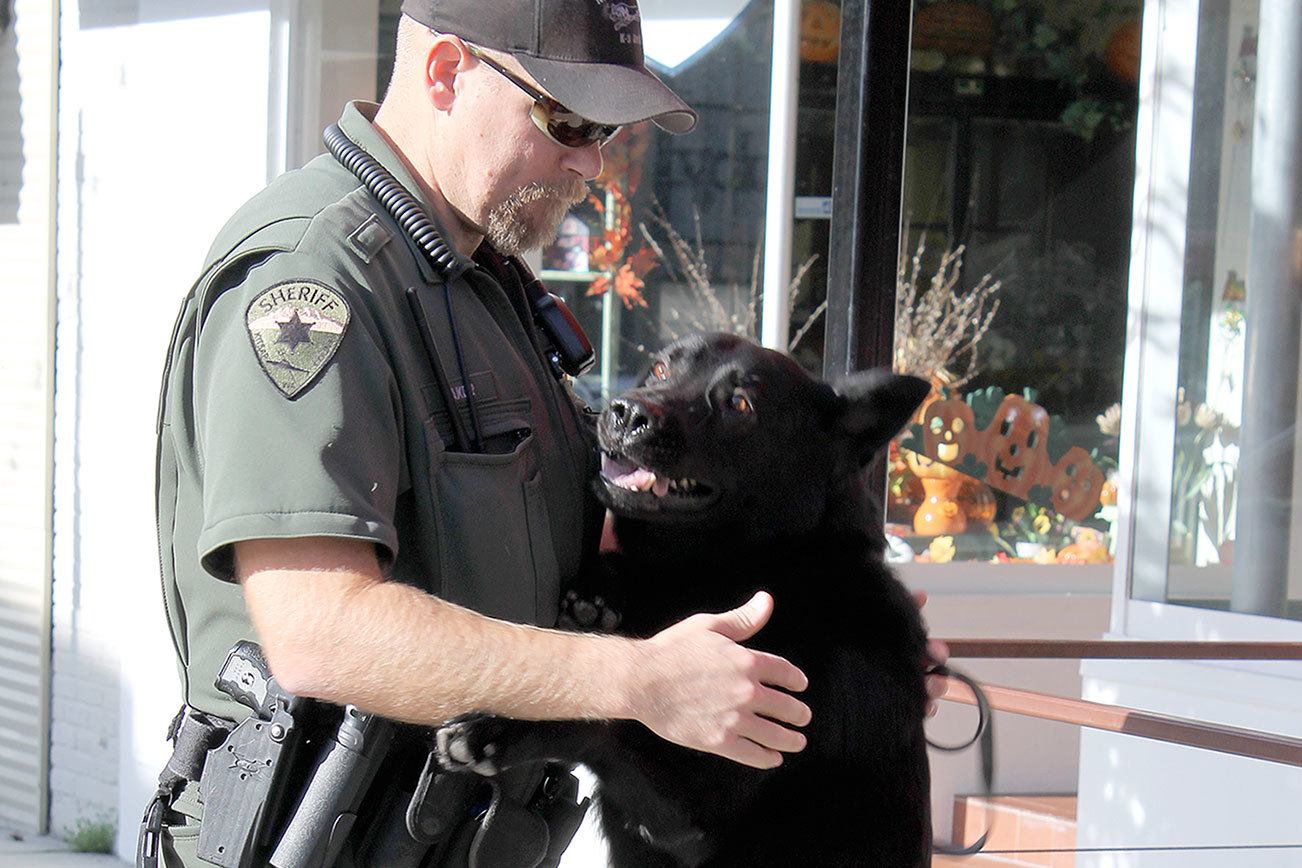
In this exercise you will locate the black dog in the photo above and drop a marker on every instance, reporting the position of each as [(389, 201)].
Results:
[(732, 470)]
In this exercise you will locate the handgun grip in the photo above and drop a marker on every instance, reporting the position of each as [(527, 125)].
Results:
[(246, 678)]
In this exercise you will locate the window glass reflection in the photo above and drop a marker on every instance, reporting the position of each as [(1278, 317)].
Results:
[(1017, 196)]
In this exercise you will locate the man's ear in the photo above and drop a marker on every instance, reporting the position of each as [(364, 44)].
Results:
[(445, 59), (873, 406)]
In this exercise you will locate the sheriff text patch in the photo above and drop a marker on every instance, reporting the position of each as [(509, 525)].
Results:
[(295, 328)]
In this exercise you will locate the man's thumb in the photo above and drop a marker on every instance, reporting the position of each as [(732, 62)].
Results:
[(745, 621)]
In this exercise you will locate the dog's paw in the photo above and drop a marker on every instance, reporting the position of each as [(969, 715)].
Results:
[(587, 614), (471, 743)]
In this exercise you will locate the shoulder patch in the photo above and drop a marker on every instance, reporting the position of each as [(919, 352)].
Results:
[(295, 328)]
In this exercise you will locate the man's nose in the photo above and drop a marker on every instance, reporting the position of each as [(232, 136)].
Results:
[(584, 161)]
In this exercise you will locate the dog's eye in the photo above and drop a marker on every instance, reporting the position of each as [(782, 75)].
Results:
[(660, 371), (741, 403)]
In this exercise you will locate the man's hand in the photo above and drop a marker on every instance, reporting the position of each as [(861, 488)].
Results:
[(701, 689), (937, 654)]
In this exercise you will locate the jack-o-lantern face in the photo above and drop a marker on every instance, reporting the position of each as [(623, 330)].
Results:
[(1077, 483), (1016, 443), (948, 429)]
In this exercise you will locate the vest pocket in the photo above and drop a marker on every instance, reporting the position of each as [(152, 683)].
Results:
[(495, 546)]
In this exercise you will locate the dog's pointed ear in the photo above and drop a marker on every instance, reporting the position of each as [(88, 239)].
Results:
[(873, 406)]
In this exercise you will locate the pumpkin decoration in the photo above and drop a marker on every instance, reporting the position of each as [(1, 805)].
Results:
[(1077, 484), (1016, 445), (1089, 548), (1121, 55), (820, 31), (949, 429), (955, 28)]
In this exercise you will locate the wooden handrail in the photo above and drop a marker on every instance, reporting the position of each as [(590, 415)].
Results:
[(1130, 721), (1122, 649)]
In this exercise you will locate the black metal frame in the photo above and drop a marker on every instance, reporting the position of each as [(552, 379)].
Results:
[(867, 183), (872, 106)]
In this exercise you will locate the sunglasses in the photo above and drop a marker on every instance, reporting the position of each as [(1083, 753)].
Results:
[(558, 123)]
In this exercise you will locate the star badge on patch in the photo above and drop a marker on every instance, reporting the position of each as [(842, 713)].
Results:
[(295, 327)]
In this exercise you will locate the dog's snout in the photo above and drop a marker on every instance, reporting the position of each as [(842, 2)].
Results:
[(629, 418)]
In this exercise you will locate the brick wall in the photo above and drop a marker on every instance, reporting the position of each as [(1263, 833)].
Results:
[(84, 714)]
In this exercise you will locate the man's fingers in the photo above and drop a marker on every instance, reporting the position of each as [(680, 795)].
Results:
[(745, 621), (779, 672), (768, 734), (782, 707), (920, 597), (748, 753)]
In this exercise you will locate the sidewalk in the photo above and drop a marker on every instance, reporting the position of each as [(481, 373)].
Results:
[(18, 850)]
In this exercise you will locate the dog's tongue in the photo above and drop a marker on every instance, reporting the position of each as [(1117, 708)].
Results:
[(632, 477)]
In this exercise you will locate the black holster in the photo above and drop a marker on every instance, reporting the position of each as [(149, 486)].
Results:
[(523, 818)]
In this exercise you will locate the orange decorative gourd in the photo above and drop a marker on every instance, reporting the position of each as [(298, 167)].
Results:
[(940, 511), (1122, 52), (820, 31)]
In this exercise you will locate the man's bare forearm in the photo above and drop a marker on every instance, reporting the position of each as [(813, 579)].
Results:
[(334, 629), (345, 635)]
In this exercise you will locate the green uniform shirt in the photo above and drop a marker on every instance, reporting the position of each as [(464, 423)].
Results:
[(300, 401)]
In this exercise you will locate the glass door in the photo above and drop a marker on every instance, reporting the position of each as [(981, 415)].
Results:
[(1216, 316)]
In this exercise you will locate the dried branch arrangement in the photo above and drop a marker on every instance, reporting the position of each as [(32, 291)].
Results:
[(937, 329), (685, 263)]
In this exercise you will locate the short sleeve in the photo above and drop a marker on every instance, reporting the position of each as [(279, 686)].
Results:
[(297, 414)]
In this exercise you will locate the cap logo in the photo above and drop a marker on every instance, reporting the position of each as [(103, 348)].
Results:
[(623, 16)]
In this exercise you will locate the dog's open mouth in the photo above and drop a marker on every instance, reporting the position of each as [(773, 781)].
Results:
[(619, 472)]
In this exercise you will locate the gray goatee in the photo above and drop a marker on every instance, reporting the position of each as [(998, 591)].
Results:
[(514, 227)]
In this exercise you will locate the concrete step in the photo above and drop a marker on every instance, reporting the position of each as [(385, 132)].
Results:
[(1030, 831)]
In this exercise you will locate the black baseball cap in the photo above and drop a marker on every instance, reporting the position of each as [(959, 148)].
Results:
[(585, 53)]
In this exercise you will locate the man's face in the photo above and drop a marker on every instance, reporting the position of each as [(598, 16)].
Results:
[(518, 184)]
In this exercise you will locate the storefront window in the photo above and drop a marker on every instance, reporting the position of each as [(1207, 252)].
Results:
[(1012, 291)]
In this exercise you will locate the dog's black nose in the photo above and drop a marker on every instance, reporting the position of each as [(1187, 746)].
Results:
[(628, 418)]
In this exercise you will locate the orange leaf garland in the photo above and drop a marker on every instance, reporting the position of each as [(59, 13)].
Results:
[(628, 287)]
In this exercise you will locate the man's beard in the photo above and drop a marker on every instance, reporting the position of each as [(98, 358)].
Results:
[(519, 224)]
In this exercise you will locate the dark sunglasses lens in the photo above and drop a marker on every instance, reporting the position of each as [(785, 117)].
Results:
[(579, 135)]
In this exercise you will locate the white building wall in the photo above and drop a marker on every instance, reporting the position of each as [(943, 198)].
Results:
[(163, 134), (1148, 804), (27, 95)]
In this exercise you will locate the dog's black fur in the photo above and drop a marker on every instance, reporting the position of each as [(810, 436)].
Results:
[(779, 505)]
